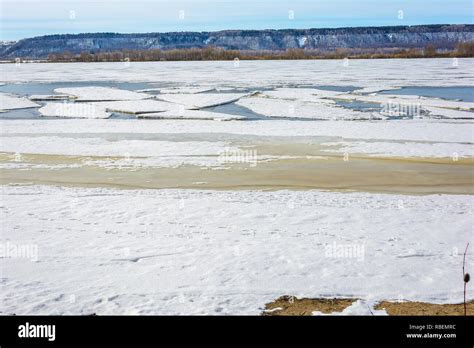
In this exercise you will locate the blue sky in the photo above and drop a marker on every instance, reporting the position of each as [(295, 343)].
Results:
[(27, 18)]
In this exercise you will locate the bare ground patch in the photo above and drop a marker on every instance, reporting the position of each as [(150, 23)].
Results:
[(290, 305), (424, 308)]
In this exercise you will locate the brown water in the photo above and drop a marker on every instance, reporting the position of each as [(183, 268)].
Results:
[(359, 173)]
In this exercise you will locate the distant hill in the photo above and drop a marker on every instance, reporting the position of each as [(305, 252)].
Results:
[(438, 36)]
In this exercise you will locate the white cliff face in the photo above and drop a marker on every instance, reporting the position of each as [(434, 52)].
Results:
[(302, 40)]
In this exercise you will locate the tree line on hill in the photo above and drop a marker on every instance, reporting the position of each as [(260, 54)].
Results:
[(216, 53)]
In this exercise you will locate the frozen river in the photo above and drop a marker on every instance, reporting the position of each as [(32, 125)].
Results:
[(216, 187)]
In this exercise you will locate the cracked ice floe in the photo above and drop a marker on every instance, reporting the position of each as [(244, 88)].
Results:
[(199, 101), (394, 104), (192, 115), (375, 89), (228, 89), (449, 113), (73, 110), (303, 94), (49, 97), (12, 102), (94, 93), (184, 90), (177, 90), (408, 100), (406, 149), (318, 109), (136, 106)]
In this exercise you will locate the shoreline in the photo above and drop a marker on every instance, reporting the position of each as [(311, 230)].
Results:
[(447, 56)]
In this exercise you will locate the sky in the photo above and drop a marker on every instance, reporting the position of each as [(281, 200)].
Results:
[(28, 18)]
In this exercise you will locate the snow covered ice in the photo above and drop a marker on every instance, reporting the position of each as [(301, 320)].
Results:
[(201, 252), (11, 102)]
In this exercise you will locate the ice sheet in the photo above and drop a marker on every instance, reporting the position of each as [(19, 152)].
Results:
[(409, 100), (192, 115), (12, 102), (136, 106), (318, 110), (94, 93), (199, 101), (303, 94), (374, 89), (449, 113), (392, 105), (221, 252), (185, 90), (74, 110), (360, 72), (49, 97), (135, 152), (400, 130), (411, 149)]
